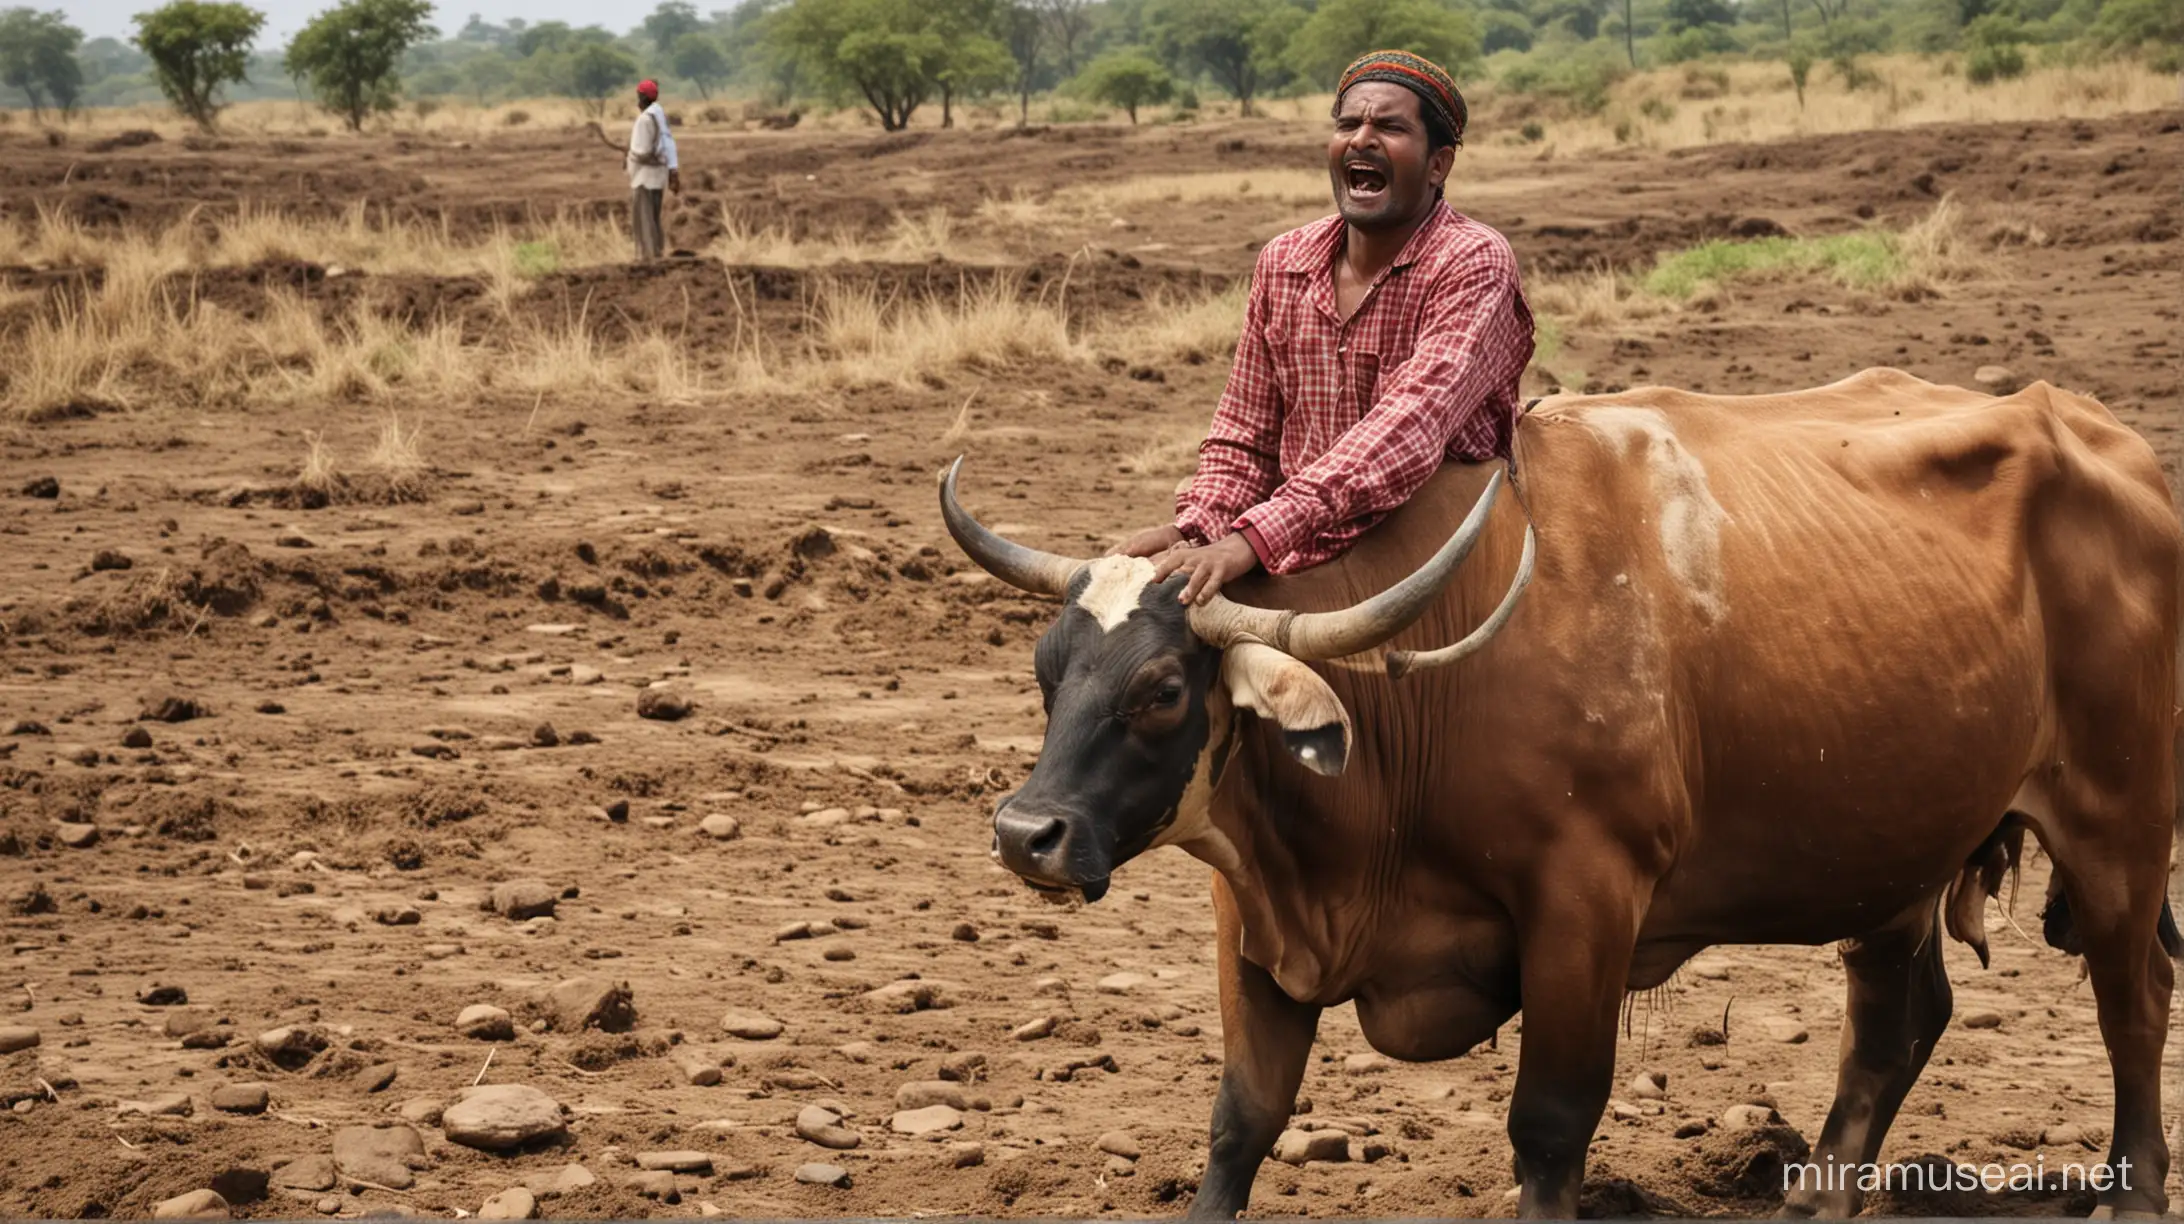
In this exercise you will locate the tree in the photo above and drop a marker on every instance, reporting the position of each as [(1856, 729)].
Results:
[(699, 59), (972, 59), (1128, 78), (1068, 23), (196, 47), (38, 56), (349, 54), (669, 22), (1026, 27), (1800, 72), (1342, 30), (1241, 43), (896, 54), (1691, 14), (597, 69)]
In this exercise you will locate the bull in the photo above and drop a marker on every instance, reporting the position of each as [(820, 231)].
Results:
[(1797, 668)]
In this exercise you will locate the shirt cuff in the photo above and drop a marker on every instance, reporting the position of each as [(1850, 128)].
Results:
[(1258, 546), (1275, 531), (1197, 525)]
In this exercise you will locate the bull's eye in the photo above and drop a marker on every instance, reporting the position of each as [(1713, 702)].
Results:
[(1168, 695)]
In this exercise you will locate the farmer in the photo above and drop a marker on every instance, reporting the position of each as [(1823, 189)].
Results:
[(653, 168), (1376, 344)]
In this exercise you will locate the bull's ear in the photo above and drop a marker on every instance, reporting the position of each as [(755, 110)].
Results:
[(1315, 727)]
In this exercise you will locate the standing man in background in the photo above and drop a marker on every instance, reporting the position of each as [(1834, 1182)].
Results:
[(653, 169)]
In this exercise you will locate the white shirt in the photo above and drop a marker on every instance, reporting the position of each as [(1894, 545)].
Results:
[(650, 134)]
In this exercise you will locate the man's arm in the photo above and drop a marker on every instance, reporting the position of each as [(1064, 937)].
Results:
[(1239, 463), (1474, 340)]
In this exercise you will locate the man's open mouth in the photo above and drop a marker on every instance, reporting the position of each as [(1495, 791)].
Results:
[(1364, 178)]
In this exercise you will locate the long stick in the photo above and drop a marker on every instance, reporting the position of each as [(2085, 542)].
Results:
[(480, 1077)]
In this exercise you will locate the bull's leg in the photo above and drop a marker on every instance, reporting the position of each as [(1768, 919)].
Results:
[(2115, 913), (1899, 1004), (1576, 952), (1266, 1037)]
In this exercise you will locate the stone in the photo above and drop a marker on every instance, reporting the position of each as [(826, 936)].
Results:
[(653, 1185), (699, 1068), (240, 1184), (76, 835), (420, 1111), (485, 1022), (502, 1116), (516, 1203), (165, 1105), (663, 705), (589, 1002), (1363, 1064), (1296, 1147), (1649, 1085), (832, 1176), (544, 736), (183, 1021), (15, 1037), (292, 1046), (1118, 1167), (751, 1026), (922, 1093), (45, 487), (310, 1173), (2069, 1134), (1033, 1030), (823, 1126), (196, 1205), (329, 1205), (242, 1098), (174, 710), (720, 826), (521, 900), (1122, 983), (964, 1067), (1997, 380), (383, 1155), (931, 1120), (965, 1155), (682, 1161), (1749, 1117), (1119, 1143), (136, 738), (403, 914), (378, 1077), (581, 674), (1785, 1030), (1982, 1020)]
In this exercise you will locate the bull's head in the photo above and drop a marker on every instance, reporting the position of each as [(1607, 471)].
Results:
[(1140, 691)]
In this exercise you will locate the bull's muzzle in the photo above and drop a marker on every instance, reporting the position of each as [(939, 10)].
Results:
[(1050, 851)]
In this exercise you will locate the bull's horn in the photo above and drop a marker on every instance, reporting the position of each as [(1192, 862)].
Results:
[(1403, 662), (1028, 569), (1359, 628)]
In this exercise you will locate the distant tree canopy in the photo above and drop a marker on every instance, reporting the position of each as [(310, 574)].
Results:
[(197, 47), (350, 54), (1127, 78), (895, 57), (38, 56)]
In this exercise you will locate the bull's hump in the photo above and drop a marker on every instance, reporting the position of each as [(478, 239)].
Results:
[(1112, 589)]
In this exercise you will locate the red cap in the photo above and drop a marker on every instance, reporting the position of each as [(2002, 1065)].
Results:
[(648, 89)]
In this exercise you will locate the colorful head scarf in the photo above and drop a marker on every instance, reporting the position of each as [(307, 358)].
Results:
[(1435, 89)]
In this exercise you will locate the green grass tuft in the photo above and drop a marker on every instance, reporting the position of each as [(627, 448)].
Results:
[(536, 259), (1867, 260)]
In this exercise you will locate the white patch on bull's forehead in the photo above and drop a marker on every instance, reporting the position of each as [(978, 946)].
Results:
[(1687, 516), (1112, 593)]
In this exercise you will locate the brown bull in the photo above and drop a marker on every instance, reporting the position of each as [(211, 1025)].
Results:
[(1795, 668)]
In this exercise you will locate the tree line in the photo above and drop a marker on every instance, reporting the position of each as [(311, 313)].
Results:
[(896, 58)]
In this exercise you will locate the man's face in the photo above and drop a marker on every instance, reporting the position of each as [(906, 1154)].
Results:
[(643, 101), (1383, 172)]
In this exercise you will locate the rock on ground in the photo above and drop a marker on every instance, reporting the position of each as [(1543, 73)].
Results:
[(501, 1116), (521, 900), (385, 1155), (586, 1002), (514, 1204), (1297, 1147), (823, 1126), (196, 1205), (684, 1161), (15, 1037), (485, 1022), (309, 1173), (241, 1098), (834, 1176), (1120, 1143), (751, 1026), (931, 1120), (919, 1094)]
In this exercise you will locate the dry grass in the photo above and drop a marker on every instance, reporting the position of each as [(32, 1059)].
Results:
[(1171, 452), (1653, 109), (910, 238), (395, 460)]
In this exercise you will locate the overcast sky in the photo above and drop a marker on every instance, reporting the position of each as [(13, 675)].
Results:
[(111, 18)]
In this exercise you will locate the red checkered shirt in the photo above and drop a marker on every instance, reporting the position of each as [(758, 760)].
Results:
[(1328, 425)]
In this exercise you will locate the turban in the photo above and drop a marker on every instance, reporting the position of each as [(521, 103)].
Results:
[(1436, 91)]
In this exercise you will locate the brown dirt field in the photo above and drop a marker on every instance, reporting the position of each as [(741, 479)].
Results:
[(369, 676)]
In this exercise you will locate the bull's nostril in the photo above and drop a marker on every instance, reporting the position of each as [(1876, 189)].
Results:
[(1045, 838)]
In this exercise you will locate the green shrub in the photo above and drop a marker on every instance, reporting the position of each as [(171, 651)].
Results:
[(1991, 62)]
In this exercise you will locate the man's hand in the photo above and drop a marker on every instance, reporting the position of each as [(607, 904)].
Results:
[(1150, 542), (674, 181), (1209, 567)]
